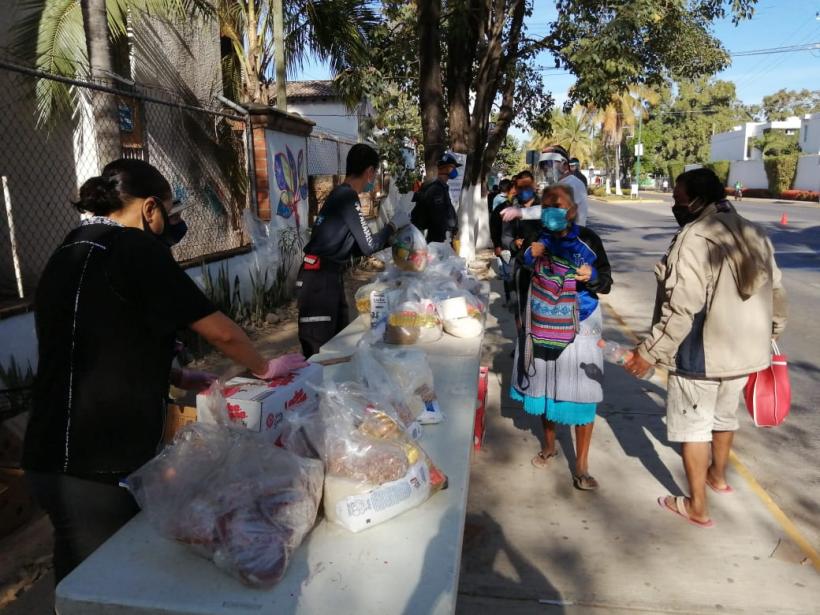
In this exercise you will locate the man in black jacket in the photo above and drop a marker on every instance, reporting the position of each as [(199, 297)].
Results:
[(434, 212)]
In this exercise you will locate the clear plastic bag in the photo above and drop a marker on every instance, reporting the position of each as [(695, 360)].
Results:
[(411, 322), (410, 249), (409, 370), (374, 470), (233, 497)]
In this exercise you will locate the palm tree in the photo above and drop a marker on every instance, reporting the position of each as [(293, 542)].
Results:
[(54, 35), (84, 39), (622, 112), (571, 131)]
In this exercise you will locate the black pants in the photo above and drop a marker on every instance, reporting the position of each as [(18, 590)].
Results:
[(84, 514), (322, 307)]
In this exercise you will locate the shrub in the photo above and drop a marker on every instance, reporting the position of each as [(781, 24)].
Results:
[(596, 190), (780, 171), (800, 195), (721, 169), (675, 169)]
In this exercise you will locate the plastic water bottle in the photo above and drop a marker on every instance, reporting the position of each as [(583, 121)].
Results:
[(618, 354)]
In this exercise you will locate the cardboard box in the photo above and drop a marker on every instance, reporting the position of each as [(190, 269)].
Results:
[(261, 406), (176, 417), (16, 504)]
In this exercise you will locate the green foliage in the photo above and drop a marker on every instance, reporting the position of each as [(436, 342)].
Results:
[(684, 123), (612, 46), (508, 160), (780, 171), (597, 190), (777, 143), (721, 169), (675, 169), (571, 131), (786, 103)]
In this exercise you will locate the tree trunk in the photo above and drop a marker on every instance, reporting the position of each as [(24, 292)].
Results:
[(618, 190), (279, 55), (431, 96), (105, 132)]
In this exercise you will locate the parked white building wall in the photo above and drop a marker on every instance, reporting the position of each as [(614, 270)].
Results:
[(737, 144), (751, 174), (810, 134), (808, 173), (332, 117)]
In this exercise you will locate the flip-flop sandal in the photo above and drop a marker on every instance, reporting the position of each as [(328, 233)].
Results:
[(680, 505), (584, 482), (726, 490), (541, 460)]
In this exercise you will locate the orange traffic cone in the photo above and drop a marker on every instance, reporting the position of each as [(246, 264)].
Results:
[(784, 219)]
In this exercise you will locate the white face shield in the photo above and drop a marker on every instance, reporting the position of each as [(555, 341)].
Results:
[(553, 166)]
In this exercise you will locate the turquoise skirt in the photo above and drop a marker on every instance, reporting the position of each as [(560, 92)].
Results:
[(564, 412)]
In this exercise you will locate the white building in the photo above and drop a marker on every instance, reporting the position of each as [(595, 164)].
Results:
[(810, 134), (738, 143), (319, 102)]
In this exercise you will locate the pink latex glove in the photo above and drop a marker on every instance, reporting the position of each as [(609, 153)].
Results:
[(194, 380), (510, 214), (282, 366)]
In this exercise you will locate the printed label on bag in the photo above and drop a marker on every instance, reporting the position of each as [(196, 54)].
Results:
[(358, 512), (378, 307)]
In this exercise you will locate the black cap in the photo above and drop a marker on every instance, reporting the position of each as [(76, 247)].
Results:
[(448, 158)]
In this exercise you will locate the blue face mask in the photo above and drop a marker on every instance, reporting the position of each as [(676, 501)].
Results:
[(554, 219), (453, 174), (370, 186), (526, 195)]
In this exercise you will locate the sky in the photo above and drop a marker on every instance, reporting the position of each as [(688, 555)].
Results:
[(776, 23)]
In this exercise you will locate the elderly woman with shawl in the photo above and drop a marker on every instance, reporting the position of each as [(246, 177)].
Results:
[(558, 368)]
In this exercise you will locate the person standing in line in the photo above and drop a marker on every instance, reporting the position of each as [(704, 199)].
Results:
[(340, 231), (720, 302), (516, 236), (555, 162), (575, 167), (434, 214), (107, 308), (558, 365), (500, 203)]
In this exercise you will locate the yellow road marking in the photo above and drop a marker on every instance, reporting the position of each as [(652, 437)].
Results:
[(781, 517)]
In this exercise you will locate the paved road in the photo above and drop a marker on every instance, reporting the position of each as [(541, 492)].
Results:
[(784, 460)]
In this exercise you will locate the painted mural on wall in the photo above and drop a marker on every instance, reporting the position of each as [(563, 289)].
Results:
[(289, 186)]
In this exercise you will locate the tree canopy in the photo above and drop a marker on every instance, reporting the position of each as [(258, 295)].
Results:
[(786, 103)]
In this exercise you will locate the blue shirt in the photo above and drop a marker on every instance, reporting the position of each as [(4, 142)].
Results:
[(573, 249), (499, 199)]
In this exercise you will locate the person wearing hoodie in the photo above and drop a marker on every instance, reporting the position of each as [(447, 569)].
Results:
[(720, 302)]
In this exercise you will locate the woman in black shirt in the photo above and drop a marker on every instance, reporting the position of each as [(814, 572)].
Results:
[(107, 307)]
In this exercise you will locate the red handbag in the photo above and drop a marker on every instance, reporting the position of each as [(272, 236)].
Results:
[(768, 393)]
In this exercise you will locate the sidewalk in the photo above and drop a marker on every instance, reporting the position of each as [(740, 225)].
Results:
[(531, 536)]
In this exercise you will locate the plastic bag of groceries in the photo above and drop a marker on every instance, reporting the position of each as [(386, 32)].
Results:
[(461, 312), (233, 497), (374, 470), (412, 322), (371, 301), (409, 249), (404, 369)]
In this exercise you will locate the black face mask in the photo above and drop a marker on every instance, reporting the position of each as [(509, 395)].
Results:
[(170, 235), (683, 215), (174, 233)]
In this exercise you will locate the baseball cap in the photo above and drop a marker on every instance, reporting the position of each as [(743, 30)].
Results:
[(448, 158)]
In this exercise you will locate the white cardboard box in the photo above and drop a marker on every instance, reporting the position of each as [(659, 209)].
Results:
[(260, 406)]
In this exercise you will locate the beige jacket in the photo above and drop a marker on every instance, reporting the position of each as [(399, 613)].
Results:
[(720, 298)]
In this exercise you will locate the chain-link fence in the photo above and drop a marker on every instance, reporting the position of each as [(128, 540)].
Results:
[(45, 155), (327, 154)]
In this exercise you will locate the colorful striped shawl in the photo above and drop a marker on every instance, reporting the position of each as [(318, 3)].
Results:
[(553, 318)]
